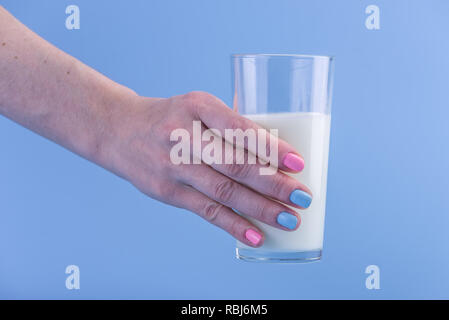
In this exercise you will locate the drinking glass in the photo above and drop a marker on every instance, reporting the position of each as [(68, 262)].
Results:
[(290, 93)]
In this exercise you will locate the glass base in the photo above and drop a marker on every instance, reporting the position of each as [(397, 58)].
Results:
[(257, 255)]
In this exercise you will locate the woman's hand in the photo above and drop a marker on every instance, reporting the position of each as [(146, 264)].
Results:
[(139, 150), (60, 98)]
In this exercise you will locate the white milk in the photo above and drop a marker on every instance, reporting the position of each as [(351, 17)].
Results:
[(308, 133)]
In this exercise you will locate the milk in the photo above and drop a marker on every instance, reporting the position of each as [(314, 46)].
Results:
[(308, 133)]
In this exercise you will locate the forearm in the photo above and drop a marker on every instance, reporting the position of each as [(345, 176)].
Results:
[(55, 95)]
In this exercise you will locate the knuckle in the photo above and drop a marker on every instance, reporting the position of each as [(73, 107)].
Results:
[(167, 129), (225, 190), (195, 98), (164, 129), (163, 191), (240, 171), (211, 211), (265, 213), (236, 123), (278, 186), (234, 228)]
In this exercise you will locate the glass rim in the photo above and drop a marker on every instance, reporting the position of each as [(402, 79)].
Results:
[(288, 55)]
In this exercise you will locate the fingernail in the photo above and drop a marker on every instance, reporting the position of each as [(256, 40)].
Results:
[(294, 162), (287, 220), (301, 198), (253, 236)]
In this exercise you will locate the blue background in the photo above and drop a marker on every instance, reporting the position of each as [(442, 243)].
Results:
[(389, 161)]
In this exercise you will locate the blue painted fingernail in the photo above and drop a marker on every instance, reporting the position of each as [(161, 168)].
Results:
[(301, 198), (287, 220)]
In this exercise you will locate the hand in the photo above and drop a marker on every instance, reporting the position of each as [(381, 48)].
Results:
[(140, 152), (57, 96)]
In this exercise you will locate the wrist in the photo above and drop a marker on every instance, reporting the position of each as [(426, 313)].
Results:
[(112, 111), (126, 119)]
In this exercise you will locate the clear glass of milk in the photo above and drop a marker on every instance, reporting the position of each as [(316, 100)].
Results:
[(290, 93)]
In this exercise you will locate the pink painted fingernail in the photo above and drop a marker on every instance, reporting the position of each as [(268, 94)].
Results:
[(253, 236), (294, 162)]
